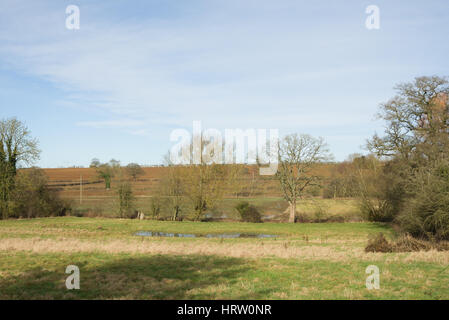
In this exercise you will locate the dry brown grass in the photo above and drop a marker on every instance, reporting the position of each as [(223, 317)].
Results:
[(239, 250)]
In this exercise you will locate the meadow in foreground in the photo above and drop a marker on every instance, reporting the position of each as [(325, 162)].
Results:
[(305, 261)]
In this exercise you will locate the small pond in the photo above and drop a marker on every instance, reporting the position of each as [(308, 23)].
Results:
[(211, 235)]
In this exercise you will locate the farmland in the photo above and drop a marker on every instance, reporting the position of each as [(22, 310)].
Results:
[(260, 191)]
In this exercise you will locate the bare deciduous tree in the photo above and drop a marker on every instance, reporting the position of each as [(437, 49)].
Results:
[(417, 121), (95, 163), (203, 184), (172, 189), (206, 184), (297, 156)]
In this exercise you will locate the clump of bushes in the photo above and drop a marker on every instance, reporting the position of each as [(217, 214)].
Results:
[(405, 243), (417, 198), (92, 212), (381, 191), (32, 198), (248, 213), (80, 212), (426, 214)]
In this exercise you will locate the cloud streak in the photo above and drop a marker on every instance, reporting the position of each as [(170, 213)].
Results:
[(147, 68)]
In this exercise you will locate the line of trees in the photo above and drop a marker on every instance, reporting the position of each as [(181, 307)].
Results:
[(192, 190)]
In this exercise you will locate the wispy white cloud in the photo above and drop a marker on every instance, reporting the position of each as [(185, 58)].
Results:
[(225, 74)]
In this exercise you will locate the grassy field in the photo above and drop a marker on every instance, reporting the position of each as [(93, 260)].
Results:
[(305, 261), (271, 208)]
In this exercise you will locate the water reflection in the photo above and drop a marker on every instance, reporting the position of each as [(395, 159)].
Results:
[(210, 235)]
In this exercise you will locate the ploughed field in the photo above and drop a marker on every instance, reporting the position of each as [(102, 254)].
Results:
[(67, 182), (302, 261)]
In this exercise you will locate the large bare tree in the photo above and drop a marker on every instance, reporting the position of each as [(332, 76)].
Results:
[(171, 188), (417, 121), (297, 156)]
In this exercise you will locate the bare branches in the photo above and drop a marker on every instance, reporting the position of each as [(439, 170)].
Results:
[(418, 115), (297, 155)]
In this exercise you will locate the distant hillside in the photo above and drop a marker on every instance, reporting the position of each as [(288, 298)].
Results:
[(67, 182)]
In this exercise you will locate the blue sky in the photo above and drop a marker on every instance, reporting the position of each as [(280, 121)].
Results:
[(136, 70)]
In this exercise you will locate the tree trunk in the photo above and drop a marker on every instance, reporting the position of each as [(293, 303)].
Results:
[(175, 213), (291, 219), (107, 182), (199, 214)]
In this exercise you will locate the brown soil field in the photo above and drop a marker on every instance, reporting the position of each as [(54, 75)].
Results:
[(67, 182)]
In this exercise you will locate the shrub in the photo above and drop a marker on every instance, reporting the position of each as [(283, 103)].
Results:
[(426, 214), (33, 198), (248, 213), (80, 212), (376, 210), (381, 191), (302, 218)]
